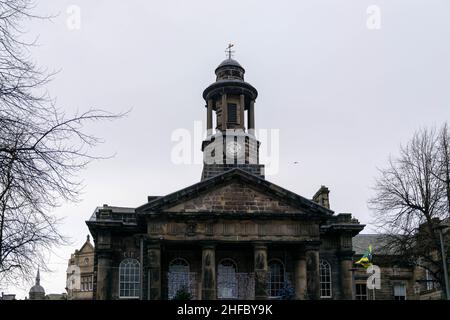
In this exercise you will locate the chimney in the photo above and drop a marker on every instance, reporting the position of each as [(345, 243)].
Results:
[(322, 197)]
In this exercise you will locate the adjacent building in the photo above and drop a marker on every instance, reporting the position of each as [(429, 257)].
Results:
[(80, 273)]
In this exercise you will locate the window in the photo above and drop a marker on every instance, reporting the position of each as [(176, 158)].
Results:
[(276, 278), (86, 283), (129, 279), (325, 279), (399, 292), (232, 113), (178, 277), (430, 280), (361, 291), (227, 280)]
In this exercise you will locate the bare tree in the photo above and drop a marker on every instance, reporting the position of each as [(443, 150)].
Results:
[(411, 198), (444, 161), (41, 152)]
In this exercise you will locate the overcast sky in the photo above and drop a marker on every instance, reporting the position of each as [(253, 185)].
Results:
[(343, 96)]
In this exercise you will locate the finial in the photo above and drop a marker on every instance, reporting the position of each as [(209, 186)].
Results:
[(229, 51), (38, 277), (88, 238)]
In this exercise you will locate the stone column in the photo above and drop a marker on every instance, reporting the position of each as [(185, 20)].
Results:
[(209, 120), (313, 276), (209, 272), (346, 276), (154, 271), (224, 111), (104, 262), (251, 115), (241, 113), (261, 271), (300, 276)]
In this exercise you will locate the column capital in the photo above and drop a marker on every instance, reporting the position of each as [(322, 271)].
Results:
[(104, 253), (208, 245), (154, 244), (260, 245), (299, 254), (345, 255), (312, 246)]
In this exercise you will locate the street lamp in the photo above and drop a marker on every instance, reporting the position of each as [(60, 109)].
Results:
[(439, 228)]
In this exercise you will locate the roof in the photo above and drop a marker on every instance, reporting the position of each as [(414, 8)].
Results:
[(87, 246), (235, 174), (229, 62), (120, 210), (361, 243), (37, 289)]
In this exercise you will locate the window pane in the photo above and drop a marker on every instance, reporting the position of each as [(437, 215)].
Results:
[(276, 278), (129, 278), (178, 277), (227, 280), (325, 279)]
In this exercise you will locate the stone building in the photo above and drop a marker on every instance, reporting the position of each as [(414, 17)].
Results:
[(234, 234), (80, 273), (400, 279)]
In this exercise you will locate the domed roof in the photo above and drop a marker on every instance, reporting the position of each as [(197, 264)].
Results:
[(229, 63), (37, 288)]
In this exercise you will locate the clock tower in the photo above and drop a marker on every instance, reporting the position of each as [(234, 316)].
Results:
[(230, 105)]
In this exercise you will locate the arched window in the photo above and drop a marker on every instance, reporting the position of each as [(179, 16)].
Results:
[(178, 277), (129, 279), (227, 287), (325, 279), (276, 278)]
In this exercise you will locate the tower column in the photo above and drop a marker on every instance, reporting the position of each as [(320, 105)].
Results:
[(209, 272), (261, 271), (241, 113), (251, 115), (224, 111), (209, 117)]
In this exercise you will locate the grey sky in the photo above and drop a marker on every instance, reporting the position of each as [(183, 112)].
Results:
[(344, 97)]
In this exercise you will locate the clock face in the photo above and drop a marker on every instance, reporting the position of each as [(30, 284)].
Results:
[(233, 149)]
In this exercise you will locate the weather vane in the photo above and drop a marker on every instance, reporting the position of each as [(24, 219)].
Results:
[(229, 51)]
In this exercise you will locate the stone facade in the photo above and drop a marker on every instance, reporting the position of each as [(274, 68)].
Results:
[(80, 273), (399, 279), (233, 235)]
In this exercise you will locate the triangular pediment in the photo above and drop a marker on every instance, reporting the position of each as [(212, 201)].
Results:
[(234, 197), (235, 191), (87, 247)]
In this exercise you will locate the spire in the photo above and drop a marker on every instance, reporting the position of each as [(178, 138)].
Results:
[(38, 278)]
